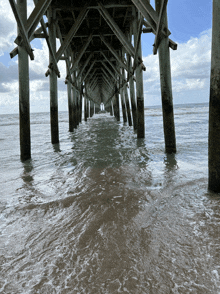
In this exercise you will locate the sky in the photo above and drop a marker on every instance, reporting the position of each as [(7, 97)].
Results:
[(190, 25)]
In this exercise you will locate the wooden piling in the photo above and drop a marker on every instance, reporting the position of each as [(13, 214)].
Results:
[(53, 81), (70, 106), (166, 89), (91, 108), (80, 103), (214, 104), (139, 81), (116, 105), (123, 105), (77, 108), (111, 110), (132, 96), (127, 101), (74, 99), (24, 106), (97, 108), (85, 108)]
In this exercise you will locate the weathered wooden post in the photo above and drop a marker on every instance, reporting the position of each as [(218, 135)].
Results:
[(24, 107), (108, 107), (123, 105), (53, 81), (127, 100), (116, 105), (139, 81), (74, 99), (80, 103), (70, 106), (97, 108), (77, 107), (91, 108), (85, 108), (166, 88), (111, 110), (214, 104), (132, 92)]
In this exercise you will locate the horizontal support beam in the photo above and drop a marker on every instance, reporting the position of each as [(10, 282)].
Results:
[(71, 7)]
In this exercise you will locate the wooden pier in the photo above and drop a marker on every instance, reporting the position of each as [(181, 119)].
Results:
[(101, 45)]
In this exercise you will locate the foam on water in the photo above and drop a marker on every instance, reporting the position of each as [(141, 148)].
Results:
[(104, 213)]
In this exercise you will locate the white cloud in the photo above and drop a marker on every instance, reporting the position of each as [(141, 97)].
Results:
[(8, 27), (190, 69)]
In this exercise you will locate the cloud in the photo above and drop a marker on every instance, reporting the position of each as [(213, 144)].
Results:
[(8, 27), (190, 69)]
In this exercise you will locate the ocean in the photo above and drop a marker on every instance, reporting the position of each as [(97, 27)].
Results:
[(102, 212)]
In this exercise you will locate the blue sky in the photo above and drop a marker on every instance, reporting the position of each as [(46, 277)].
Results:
[(190, 25)]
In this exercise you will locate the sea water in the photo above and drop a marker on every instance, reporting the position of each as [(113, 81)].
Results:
[(103, 212)]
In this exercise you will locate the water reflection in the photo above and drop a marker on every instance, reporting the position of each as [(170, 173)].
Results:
[(170, 162), (56, 147), (27, 172), (100, 224)]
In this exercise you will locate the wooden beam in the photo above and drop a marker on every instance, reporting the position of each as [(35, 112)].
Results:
[(72, 32), (22, 29), (78, 8), (149, 14), (66, 53), (14, 52), (24, 92), (109, 71), (112, 65), (80, 54), (139, 30), (91, 66), (53, 57), (84, 66), (34, 18), (214, 106), (113, 51), (115, 28), (148, 29), (139, 84), (132, 92), (166, 88), (105, 76), (53, 82), (159, 25)]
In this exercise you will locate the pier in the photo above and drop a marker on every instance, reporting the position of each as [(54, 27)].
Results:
[(100, 42)]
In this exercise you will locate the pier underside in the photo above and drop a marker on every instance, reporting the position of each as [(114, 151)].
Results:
[(100, 41)]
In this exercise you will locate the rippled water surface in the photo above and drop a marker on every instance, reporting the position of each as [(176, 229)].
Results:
[(103, 212)]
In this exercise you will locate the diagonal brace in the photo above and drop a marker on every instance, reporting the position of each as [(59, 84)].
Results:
[(84, 65), (34, 18), (79, 56), (115, 28), (22, 29), (109, 46), (72, 32)]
